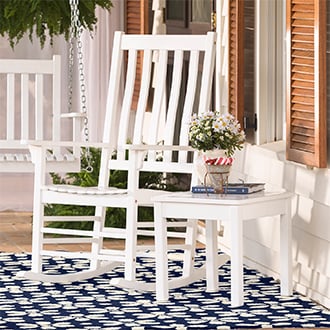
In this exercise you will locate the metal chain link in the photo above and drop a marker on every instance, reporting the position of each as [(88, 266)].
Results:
[(75, 34)]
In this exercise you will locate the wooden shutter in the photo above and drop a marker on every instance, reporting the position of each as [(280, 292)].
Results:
[(137, 19), (306, 83), (236, 59), (137, 22)]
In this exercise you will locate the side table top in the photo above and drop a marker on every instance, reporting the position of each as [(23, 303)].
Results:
[(229, 199)]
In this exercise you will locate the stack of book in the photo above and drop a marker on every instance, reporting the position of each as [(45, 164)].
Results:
[(231, 188)]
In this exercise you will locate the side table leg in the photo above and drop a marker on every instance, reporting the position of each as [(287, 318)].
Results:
[(212, 279), (162, 286), (237, 298), (286, 251)]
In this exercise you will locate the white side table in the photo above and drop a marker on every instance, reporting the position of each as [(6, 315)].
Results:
[(232, 208)]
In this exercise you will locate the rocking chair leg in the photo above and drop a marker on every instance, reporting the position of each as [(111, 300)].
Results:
[(37, 236), (95, 263), (131, 242), (36, 257), (129, 281)]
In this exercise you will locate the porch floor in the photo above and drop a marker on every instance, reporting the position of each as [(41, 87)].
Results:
[(16, 235)]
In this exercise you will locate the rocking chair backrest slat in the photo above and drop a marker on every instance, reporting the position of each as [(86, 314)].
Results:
[(126, 105), (159, 95), (175, 81), (189, 101), (173, 102), (115, 87), (158, 103), (30, 109), (143, 98)]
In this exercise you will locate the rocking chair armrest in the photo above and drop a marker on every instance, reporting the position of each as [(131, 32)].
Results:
[(156, 147)]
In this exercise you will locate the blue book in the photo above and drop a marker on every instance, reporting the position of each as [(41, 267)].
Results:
[(232, 188)]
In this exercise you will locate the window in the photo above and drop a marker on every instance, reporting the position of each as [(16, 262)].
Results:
[(305, 74), (189, 16), (256, 67)]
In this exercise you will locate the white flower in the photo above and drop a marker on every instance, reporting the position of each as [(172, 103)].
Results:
[(213, 130)]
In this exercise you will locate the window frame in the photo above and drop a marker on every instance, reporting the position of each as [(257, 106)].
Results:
[(270, 99), (274, 103)]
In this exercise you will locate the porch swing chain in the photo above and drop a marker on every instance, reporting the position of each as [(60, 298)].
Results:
[(75, 32)]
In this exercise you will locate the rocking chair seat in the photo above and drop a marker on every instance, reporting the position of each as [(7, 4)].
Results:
[(70, 189)]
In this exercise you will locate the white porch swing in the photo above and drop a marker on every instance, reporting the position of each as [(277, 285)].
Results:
[(30, 109)]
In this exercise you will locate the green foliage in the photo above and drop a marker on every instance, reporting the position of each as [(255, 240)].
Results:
[(45, 17)]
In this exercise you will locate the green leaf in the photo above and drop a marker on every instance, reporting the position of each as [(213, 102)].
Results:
[(45, 18)]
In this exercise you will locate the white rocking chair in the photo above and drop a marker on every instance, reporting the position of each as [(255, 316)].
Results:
[(128, 144), (30, 109)]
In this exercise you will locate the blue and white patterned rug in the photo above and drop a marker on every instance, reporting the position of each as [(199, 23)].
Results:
[(95, 304)]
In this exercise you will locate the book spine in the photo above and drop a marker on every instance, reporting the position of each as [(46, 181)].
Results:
[(236, 190), (202, 190), (229, 190)]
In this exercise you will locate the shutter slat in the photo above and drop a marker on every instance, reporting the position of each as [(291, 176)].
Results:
[(302, 131), (305, 15), (302, 123), (304, 147), (303, 23), (303, 69), (303, 100), (302, 77), (303, 61), (302, 30), (304, 141), (303, 7), (303, 84), (303, 38), (302, 54), (303, 115), (305, 46), (302, 91), (302, 107)]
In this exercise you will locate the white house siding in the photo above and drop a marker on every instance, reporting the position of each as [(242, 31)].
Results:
[(16, 191), (310, 214)]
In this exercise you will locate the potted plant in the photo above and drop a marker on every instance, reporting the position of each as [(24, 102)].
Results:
[(214, 131), (45, 18), (217, 136)]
